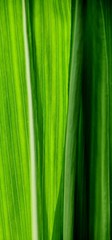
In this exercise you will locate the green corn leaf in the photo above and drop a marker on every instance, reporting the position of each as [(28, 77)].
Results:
[(49, 85), (55, 120), (87, 186), (99, 138), (49, 41), (15, 197), (73, 118)]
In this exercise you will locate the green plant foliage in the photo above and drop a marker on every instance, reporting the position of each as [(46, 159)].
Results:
[(50, 51), (88, 142), (55, 119), (15, 204)]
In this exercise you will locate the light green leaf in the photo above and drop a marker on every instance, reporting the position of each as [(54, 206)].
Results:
[(49, 40), (15, 203)]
